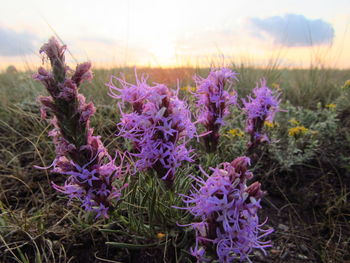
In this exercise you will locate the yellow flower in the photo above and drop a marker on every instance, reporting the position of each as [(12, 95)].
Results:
[(188, 88), (331, 106), (270, 124), (298, 130), (347, 84), (276, 86), (294, 122), (235, 133), (160, 235)]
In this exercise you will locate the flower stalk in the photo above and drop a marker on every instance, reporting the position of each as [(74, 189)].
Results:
[(79, 154), (227, 209), (213, 102), (260, 109), (159, 126)]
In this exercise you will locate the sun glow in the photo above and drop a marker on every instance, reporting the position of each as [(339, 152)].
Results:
[(164, 33), (163, 53)]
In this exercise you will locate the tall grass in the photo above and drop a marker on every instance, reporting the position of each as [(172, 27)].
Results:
[(302, 87)]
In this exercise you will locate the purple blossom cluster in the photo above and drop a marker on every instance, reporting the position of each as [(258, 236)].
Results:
[(259, 109), (213, 102), (159, 126), (228, 210), (79, 154)]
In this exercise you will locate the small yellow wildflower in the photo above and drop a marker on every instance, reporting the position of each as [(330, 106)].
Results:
[(276, 86), (298, 130), (188, 88), (235, 133), (331, 106), (346, 84), (270, 124), (160, 235)]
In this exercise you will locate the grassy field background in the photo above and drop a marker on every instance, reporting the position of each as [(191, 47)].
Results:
[(307, 177)]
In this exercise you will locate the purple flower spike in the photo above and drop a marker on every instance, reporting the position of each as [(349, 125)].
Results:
[(79, 154), (159, 126), (82, 73), (213, 102), (263, 107), (228, 212)]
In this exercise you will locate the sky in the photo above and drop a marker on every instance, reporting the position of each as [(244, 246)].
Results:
[(162, 33)]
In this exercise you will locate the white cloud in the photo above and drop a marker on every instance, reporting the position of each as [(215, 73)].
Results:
[(13, 43), (292, 30)]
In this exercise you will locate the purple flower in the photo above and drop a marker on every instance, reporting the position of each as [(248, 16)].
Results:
[(92, 187), (213, 102), (228, 212), (159, 126), (260, 108), (130, 93), (82, 73), (92, 173)]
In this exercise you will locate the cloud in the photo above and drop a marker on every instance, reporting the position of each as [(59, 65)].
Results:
[(292, 30), (14, 43)]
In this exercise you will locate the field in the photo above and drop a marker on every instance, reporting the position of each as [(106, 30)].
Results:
[(306, 174)]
